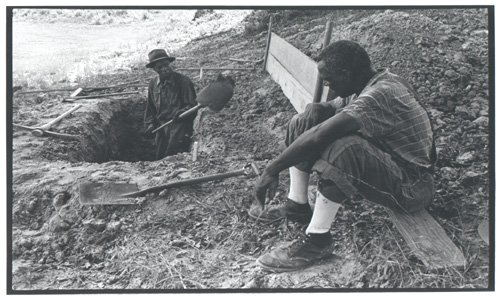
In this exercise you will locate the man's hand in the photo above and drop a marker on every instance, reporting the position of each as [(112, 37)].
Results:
[(176, 116), (149, 131), (266, 184)]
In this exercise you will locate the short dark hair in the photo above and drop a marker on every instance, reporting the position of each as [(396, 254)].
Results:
[(345, 54)]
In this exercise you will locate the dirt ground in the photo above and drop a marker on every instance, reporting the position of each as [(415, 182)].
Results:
[(200, 237)]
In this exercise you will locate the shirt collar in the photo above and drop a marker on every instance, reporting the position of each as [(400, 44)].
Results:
[(167, 82)]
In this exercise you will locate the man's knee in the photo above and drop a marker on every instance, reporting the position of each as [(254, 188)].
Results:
[(295, 128), (313, 114), (345, 149)]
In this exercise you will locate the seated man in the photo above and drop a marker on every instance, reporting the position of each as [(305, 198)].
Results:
[(379, 145), (169, 95)]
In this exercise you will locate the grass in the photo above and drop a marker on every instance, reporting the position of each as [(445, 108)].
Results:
[(47, 54)]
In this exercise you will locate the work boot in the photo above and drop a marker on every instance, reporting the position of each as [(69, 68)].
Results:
[(296, 255), (290, 209)]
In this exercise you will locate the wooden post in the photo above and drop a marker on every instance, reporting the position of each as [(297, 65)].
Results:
[(195, 151), (319, 81), (268, 42), (76, 92), (201, 73)]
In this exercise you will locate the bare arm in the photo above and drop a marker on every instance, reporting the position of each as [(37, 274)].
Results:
[(307, 146)]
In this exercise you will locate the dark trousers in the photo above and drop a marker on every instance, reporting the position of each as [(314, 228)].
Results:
[(352, 167), (174, 138)]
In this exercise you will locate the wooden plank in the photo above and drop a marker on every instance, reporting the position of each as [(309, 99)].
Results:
[(324, 94), (76, 92), (300, 66), (266, 55), (427, 239), (292, 89)]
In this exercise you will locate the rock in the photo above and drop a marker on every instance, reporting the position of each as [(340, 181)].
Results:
[(251, 284), (470, 177), (451, 73), (114, 226), (57, 224), (467, 111), (55, 246), (60, 199), (482, 121), (26, 243), (59, 256), (459, 57), (439, 123), (435, 114), (482, 33), (96, 224), (31, 206), (465, 158), (481, 100), (262, 92)]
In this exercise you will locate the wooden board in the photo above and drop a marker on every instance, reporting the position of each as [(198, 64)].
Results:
[(295, 72), (292, 89), (300, 66), (427, 239)]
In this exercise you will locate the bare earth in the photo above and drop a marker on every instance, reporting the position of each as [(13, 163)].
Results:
[(200, 237)]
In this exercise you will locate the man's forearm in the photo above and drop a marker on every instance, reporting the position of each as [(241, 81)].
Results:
[(301, 149), (312, 142)]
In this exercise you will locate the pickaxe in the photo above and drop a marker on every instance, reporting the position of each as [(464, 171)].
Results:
[(44, 129)]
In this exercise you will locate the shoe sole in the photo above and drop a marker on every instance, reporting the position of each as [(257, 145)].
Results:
[(293, 219), (289, 269), (281, 269)]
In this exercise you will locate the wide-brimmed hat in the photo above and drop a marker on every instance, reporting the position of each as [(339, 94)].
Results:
[(158, 55)]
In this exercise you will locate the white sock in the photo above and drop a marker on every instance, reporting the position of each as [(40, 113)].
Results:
[(323, 215), (299, 183)]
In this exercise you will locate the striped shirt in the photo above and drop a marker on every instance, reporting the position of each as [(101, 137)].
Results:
[(387, 110)]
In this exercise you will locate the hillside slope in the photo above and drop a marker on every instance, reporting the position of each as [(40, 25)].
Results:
[(200, 237)]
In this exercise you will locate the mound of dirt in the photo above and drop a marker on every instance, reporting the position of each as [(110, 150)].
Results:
[(200, 237)]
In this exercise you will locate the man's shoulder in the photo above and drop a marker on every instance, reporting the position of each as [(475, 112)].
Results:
[(387, 83)]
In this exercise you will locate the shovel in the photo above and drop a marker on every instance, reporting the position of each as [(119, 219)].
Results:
[(124, 193), (213, 96)]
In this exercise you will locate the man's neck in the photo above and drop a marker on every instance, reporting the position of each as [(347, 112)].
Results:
[(364, 79)]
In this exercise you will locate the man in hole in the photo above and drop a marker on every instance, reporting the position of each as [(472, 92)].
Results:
[(169, 95), (377, 144)]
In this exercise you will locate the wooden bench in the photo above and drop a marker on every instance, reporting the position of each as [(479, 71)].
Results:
[(297, 75)]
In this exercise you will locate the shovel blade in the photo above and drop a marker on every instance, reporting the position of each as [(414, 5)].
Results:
[(106, 193)]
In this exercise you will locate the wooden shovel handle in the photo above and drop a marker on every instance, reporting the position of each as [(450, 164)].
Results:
[(185, 182), (181, 116), (59, 118), (38, 132)]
